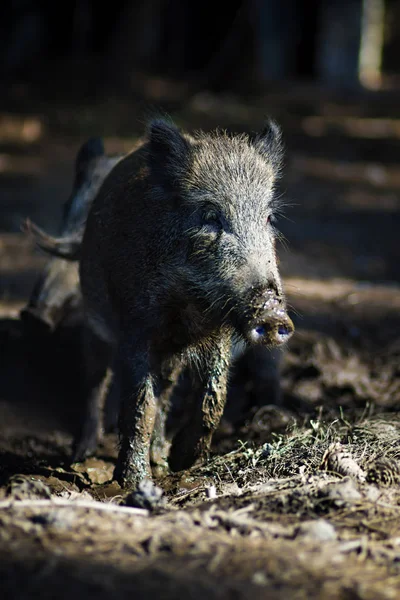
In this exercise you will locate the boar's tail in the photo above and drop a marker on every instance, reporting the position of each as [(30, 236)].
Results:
[(68, 247)]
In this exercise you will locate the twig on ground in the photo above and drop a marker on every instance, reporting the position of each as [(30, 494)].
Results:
[(56, 502)]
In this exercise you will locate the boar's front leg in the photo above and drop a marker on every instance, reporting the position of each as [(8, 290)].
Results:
[(160, 444), (137, 413), (192, 443)]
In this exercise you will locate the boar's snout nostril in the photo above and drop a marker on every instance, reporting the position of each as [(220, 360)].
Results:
[(260, 330), (275, 330), (284, 330)]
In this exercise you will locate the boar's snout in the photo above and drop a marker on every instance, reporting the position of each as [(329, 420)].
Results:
[(267, 321), (273, 329)]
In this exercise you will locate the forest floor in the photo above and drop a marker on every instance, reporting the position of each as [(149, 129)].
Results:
[(300, 500)]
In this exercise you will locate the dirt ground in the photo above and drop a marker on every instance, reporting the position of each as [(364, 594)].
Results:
[(300, 500)]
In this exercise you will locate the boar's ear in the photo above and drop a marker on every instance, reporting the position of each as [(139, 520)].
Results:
[(91, 149), (269, 144), (168, 152)]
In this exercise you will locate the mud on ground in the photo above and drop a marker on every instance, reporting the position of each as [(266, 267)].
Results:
[(300, 500)]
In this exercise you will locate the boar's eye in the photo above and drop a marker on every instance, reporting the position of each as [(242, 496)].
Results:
[(212, 219)]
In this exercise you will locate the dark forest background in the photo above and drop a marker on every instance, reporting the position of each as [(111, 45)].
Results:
[(236, 45)]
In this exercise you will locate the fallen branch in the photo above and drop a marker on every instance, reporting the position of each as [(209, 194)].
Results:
[(61, 503)]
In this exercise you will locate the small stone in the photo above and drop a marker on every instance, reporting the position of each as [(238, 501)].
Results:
[(320, 530), (259, 578), (24, 487), (344, 492), (211, 492), (97, 470), (147, 495)]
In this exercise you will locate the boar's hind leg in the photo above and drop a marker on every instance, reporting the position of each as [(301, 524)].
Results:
[(167, 380), (97, 376), (137, 414), (192, 443)]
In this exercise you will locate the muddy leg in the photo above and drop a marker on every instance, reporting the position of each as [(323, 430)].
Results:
[(137, 415), (192, 443), (159, 443), (97, 377)]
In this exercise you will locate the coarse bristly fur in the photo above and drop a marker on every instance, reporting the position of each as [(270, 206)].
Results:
[(178, 255)]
